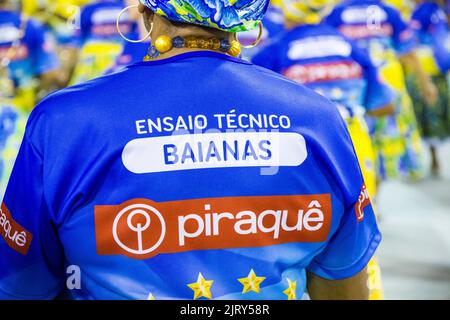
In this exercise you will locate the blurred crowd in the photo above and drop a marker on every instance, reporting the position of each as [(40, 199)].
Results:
[(384, 63)]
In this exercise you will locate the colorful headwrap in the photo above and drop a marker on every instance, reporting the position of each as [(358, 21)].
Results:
[(306, 11), (226, 15)]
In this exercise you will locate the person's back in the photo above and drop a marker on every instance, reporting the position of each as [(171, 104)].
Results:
[(197, 175), (166, 208)]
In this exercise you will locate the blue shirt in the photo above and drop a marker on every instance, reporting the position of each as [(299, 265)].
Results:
[(34, 54), (98, 22), (429, 22), (131, 53), (374, 26), (198, 185), (321, 58)]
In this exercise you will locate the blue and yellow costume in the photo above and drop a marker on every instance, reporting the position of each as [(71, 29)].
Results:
[(26, 52), (60, 17), (429, 22), (99, 41), (379, 29)]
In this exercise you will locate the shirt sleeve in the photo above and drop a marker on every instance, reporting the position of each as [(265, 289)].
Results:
[(355, 236), (351, 247), (29, 243), (43, 49), (377, 94)]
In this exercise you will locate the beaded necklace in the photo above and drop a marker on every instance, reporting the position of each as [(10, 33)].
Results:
[(164, 44)]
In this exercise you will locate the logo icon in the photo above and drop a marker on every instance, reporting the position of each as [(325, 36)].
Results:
[(139, 229)]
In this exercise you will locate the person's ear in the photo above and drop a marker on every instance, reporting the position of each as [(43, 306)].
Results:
[(148, 17), (141, 8)]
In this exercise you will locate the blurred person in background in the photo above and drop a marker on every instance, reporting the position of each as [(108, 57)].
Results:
[(99, 41), (61, 18), (318, 56), (273, 27), (430, 25), (379, 29), (28, 65), (447, 9), (83, 194), (133, 51)]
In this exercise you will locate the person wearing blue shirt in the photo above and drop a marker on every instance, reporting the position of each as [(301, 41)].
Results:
[(318, 56), (99, 41), (28, 66), (132, 51), (379, 29), (32, 53), (61, 19), (430, 25), (192, 175)]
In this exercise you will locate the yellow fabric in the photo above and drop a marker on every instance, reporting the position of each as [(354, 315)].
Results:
[(364, 150), (61, 7), (95, 59), (405, 7), (427, 60), (366, 157), (25, 99), (306, 11), (375, 283), (275, 3), (391, 70)]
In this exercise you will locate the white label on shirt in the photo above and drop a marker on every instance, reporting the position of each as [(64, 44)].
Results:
[(317, 47), (214, 150), (9, 33), (362, 14), (105, 16)]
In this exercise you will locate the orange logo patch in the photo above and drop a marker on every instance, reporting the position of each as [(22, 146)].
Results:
[(363, 201), (142, 228), (17, 237)]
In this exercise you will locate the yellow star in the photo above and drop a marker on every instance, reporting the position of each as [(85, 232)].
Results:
[(251, 283), (291, 291), (150, 296), (201, 288)]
